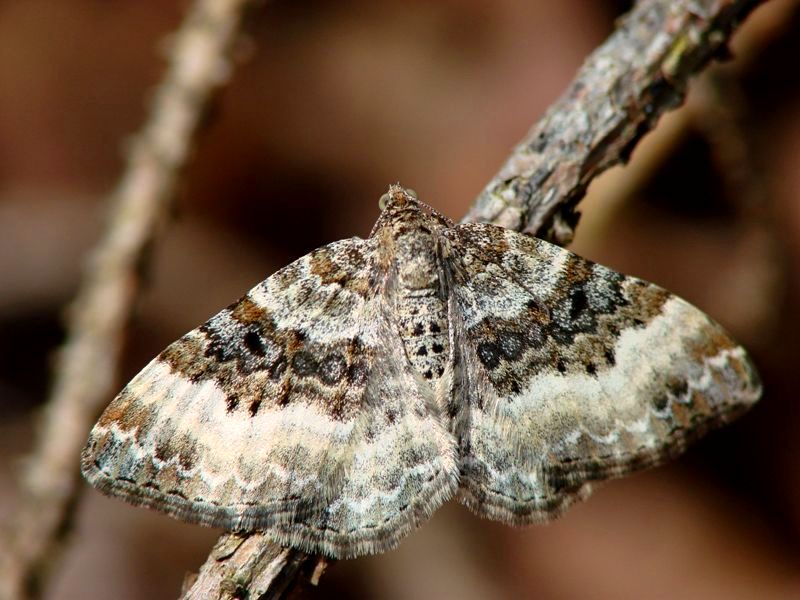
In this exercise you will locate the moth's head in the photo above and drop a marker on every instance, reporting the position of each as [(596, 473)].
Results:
[(400, 207), (397, 198)]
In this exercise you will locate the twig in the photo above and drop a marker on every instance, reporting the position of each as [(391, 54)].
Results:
[(251, 566), (639, 73), (87, 364)]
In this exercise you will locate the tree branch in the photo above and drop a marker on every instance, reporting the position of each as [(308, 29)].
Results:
[(87, 363), (251, 566), (638, 74)]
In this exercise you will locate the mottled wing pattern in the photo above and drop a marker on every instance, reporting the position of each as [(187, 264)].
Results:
[(271, 416), (566, 372)]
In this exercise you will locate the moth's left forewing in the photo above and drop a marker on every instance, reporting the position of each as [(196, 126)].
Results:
[(567, 372), (247, 421)]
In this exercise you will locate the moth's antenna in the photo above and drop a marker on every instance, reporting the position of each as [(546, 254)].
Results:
[(434, 212), (415, 197)]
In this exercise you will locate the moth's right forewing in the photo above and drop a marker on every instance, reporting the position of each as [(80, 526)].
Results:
[(567, 372)]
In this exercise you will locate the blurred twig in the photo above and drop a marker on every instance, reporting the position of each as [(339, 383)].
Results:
[(639, 73), (86, 369), (718, 111)]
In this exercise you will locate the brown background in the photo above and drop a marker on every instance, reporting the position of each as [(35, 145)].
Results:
[(331, 102)]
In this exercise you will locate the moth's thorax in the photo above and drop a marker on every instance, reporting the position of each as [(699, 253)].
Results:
[(410, 232)]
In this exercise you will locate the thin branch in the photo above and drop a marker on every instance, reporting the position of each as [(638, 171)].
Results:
[(251, 566), (639, 73), (87, 365)]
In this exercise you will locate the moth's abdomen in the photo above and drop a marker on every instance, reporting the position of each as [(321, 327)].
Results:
[(420, 307), (423, 327)]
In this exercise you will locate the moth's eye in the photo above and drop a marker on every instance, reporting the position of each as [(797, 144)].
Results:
[(412, 193), (383, 201)]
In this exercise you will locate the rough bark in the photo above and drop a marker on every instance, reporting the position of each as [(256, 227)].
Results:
[(638, 74)]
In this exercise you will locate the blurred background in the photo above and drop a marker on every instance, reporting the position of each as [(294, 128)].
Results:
[(331, 102)]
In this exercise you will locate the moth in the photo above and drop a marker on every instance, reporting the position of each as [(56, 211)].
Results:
[(342, 400)]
